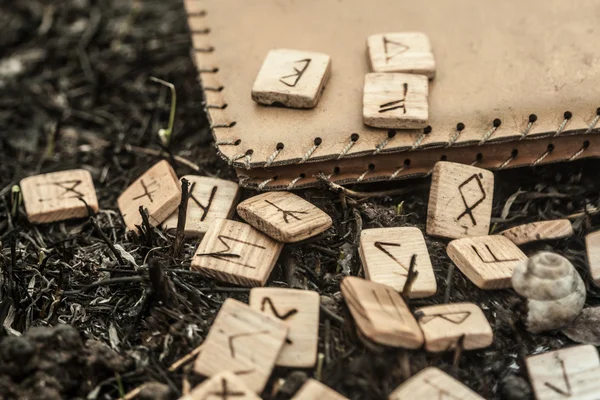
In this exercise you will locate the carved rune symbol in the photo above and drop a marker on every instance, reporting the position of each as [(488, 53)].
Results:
[(396, 104), (232, 338), (292, 79), (443, 394), (225, 394), (283, 317), (206, 208), (494, 259), (380, 246), (226, 254), (566, 393), (287, 213), (392, 48), (470, 207), (397, 313), (146, 191), (69, 187), (456, 318)]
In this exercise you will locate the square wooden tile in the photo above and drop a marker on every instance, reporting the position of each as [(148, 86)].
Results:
[(536, 231), (592, 245), (210, 199), (386, 253), (569, 373), (292, 78), (460, 201), (56, 196), (284, 216), (433, 384), (488, 261), (381, 314), (443, 325), (158, 190), (314, 389), (237, 253), (408, 52), (224, 385), (244, 341), (396, 101), (299, 310)]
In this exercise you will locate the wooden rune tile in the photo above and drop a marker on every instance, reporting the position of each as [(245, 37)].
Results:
[(569, 373), (381, 314), (408, 52), (292, 78), (244, 341), (299, 310), (443, 325), (210, 199), (395, 101), (224, 385), (57, 196), (284, 216), (237, 253), (488, 261), (314, 389), (460, 201), (535, 231), (386, 255), (158, 190), (592, 245), (433, 384)]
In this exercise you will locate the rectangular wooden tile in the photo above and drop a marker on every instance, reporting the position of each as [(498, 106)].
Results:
[(210, 199), (244, 341), (536, 231), (433, 384), (284, 216), (386, 254), (299, 310), (57, 196), (569, 373), (592, 245), (395, 101), (443, 325), (237, 253), (314, 389), (158, 191), (408, 52), (460, 201), (488, 261), (381, 314), (222, 386)]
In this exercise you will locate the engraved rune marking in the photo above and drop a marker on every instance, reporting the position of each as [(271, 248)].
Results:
[(292, 79), (287, 213), (226, 254), (68, 186), (206, 208), (283, 317), (393, 49), (442, 393), (146, 191), (225, 394), (231, 339), (396, 104), (456, 318), (494, 259), (566, 393), (469, 208), (386, 309), (380, 246)]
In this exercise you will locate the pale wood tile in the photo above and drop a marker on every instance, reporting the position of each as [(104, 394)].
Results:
[(386, 254), (210, 199), (488, 261), (381, 314), (57, 196), (433, 384), (314, 389), (237, 253), (460, 201), (572, 373), (158, 190), (443, 325), (592, 245), (542, 230), (292, 78), (244, 341), (284, 216), (395, 101), (224, 385), (299, 310), (408, 52)]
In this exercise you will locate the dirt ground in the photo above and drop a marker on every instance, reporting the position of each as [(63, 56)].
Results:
[(75, 93)]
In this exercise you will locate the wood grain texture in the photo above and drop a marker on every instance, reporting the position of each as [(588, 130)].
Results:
[(292, 78), (210, 199), (460, 201), (536, 231), (299, 310), (443, 325), (158, 190), (224, 385), (408, 52), (592, 245), (284, 216), (569, 373), (237, 253), (488, 261), (433, 384), (56, 196), (244, 341), (381, 314), (386, 253), (314, 389), (397, 101)]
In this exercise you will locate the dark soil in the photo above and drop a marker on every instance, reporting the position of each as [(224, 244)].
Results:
[(75, 93)]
